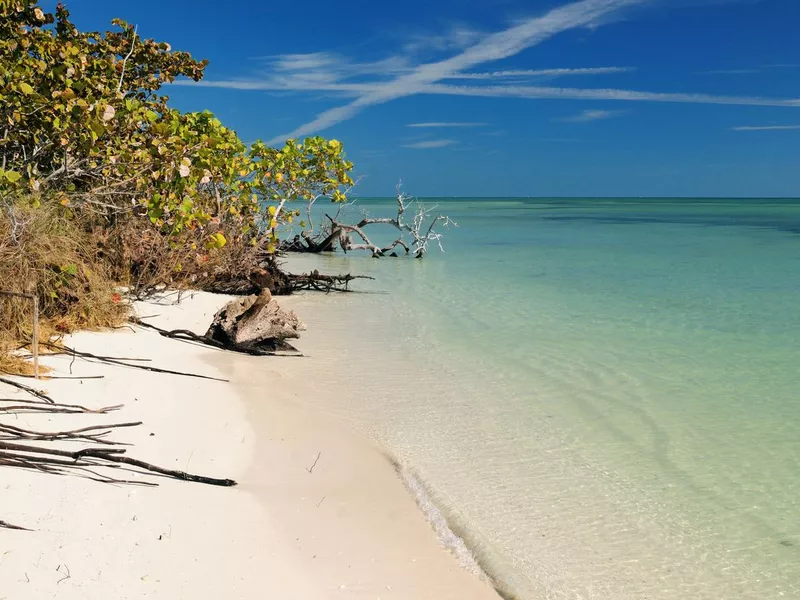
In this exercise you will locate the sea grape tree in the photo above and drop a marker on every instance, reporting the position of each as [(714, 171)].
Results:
[(298, 173), (83, 121)]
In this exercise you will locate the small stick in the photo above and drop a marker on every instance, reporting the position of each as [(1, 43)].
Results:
[(29, 389), (315, 463), (7, 525), (35, 341), (67, 576)]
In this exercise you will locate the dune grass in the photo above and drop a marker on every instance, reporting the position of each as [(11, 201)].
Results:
[(44, 252)]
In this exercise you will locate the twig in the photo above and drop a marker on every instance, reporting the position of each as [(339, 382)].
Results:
[(6, 525), (125, 60), (315, 463), (67, 576), (29, 389)]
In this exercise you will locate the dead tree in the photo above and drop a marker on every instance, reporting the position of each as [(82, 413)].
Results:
[(415, 235)]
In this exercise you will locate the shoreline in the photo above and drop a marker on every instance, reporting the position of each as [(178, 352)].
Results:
[(340, 498), (344, 527)]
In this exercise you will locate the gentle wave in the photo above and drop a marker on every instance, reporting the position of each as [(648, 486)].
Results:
[(454, 533)]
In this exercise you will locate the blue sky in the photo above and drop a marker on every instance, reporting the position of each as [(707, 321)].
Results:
[(508, 97)]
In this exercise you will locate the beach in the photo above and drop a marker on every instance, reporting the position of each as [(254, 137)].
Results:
[(319, 512)]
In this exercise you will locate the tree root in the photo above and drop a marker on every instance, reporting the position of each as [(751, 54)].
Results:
[(279, 348), (316, 282)]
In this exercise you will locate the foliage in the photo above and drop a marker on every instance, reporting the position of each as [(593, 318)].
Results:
[(82, 120), (102, 181), (298, 172)]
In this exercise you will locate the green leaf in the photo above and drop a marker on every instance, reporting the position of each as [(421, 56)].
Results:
[(12, 176), (25, 88), (70, 269)]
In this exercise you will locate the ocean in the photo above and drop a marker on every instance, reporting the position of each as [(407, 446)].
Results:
[(602, 396)]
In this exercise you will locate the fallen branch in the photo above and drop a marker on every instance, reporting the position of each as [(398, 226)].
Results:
[(415, 235), (23, 406), (313, 281), (190, 336), (113, 361), (27, 388), (14, 432), (99, 457)]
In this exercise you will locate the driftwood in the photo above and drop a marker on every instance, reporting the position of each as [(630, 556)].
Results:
[(26, 448), (124, 362), (254, 323), (279, 283), (190, 336), (26, 456), (415, 235), (314, 281)]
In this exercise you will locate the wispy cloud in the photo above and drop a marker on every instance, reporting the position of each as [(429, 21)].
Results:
[(592, 115), (430, 144), (732, 72), (503, 44), (543, 73), (457, 37), (540, 92), (370, 83), (767, 128), (445, 124)]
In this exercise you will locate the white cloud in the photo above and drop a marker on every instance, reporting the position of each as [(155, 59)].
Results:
[(592, 115), (430, 144), (537, 92), (543, 73), (732, 72), (767, 128), (503, 44), (371, 83), (456, 38), (444, 124)]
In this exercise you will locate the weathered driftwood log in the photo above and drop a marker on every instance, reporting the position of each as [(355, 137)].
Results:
[(254, 322)]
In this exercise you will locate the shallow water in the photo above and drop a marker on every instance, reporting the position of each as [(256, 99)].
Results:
[(602, 394)]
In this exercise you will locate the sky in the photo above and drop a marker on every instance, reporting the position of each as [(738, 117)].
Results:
[(505, 97)]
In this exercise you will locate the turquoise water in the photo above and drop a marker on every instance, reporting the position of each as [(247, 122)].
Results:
[(602, 394)]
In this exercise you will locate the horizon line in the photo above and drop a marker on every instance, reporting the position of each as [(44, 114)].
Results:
[(422, 196)]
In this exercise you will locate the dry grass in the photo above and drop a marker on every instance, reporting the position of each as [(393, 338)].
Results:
[(44, 252), (148, 260), (74, 265)]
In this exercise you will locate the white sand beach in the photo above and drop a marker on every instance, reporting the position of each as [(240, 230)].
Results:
[(346, 529)]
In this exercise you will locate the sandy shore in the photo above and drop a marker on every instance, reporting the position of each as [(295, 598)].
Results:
[(347, 529)]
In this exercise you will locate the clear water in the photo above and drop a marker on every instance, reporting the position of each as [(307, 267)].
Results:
[(603, 394)]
